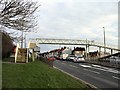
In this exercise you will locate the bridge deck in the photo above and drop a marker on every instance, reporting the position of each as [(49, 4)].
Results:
[(70, 42)]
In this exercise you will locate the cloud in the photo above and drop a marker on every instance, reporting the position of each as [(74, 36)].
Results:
[(75, 19)]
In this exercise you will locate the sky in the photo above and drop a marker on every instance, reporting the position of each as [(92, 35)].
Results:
[(77, 19)]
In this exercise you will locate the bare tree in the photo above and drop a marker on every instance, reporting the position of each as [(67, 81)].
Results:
[(18, 14)]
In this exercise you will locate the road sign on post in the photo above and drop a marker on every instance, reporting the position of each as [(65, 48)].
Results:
[(36, 49), (31, 45)]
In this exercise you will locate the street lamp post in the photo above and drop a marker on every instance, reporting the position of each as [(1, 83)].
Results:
[(25, 41), (104, 39), (22, 40)]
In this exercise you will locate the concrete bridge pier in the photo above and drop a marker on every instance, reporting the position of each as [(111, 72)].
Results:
[(99, 51), (111, 51), (104, 50), (87, 51)]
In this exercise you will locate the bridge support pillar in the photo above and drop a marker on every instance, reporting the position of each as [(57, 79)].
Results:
[(104, 50), (87, 51), (33, 55), (99, 51), (111, 51)]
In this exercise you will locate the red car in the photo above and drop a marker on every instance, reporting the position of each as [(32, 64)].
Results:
[(51, 58)]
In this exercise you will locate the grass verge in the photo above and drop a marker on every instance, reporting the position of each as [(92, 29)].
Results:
[(36, 75)]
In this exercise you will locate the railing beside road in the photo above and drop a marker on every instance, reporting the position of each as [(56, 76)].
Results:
[(105, 62)]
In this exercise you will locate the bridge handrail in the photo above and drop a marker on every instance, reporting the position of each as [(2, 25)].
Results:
[(72, 41)]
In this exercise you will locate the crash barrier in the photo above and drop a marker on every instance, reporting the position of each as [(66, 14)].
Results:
[(43, 59), (104, 62)]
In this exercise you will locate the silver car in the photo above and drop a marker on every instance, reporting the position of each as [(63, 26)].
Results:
[(79, 59), (70, 57)]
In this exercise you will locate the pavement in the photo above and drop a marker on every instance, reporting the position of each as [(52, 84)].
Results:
[(99, 76)]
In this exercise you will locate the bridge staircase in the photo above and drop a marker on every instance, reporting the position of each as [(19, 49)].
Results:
[(21, 55)]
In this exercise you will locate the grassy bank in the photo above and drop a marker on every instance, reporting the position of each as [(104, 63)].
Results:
[(36, 75)]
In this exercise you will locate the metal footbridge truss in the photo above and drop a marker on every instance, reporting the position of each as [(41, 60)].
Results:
[(69, 42)]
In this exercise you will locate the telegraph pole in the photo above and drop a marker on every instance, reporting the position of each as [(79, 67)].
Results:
[(104, 40)]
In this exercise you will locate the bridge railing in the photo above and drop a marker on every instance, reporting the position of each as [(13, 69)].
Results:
[(105, 62), (71, 42), (60, 41)]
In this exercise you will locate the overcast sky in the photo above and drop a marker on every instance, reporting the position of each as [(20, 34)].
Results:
[(77, 19)]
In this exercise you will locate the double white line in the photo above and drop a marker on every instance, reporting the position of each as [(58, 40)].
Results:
[(116, 77)]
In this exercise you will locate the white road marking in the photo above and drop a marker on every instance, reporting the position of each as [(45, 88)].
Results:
[(92, 71), (102, 68), (114, 71), (116, 77), (107, 70), (84, 65), (96, 65), (73, 66)]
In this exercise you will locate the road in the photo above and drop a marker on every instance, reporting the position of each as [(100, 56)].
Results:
[(99, 76)]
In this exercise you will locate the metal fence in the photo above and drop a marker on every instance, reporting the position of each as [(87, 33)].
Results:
[(105, 62)]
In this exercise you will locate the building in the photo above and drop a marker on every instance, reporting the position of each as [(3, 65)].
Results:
[(61, 53), (97, 54), (78, 51), (54, 52), (66, 52), (94, 54)]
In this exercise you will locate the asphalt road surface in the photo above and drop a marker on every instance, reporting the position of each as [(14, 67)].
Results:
[(99, 76)]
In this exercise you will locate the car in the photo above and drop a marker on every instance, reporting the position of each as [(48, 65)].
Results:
[(70, 57), (79, 59), (51, 58)]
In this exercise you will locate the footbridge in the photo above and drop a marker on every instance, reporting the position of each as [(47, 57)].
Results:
[(87, 43)]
